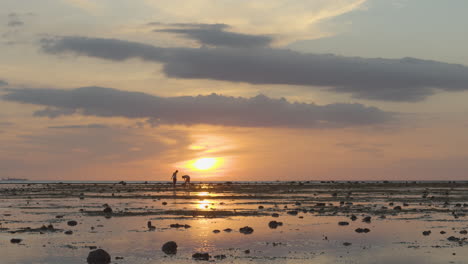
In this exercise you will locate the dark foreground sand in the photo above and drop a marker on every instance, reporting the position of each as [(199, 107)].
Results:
[(290, 222)]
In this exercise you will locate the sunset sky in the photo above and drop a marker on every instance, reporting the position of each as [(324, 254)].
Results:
[(234, 90)]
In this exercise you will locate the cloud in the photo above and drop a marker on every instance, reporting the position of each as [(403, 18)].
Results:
[(406, 79), (14, 20), (259, 111), (15, 23), (292, 20), (79, 126), (215, 35)]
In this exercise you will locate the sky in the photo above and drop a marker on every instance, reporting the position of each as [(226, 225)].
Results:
[(227, 90)]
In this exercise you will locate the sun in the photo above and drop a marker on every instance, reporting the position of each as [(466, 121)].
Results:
[(205, 163)]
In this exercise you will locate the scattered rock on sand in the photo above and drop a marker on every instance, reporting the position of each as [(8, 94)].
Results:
[(98, 256), (343, 223), (246, 230), (353, 218), (261, 207), (201, 256), (150, 225), (16, 240), (170, 248), (463, 232), (294, 212), (179, 226), (347, 244), (274, 224), (107, 210), (72, 223), (397, 208), (367, 219), (227, 230), (216, 231), (362, 230), (220, 257), (275, 215), (426, 233), (69, 232)]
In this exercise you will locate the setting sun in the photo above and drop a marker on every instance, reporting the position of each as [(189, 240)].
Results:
[(205, 163)]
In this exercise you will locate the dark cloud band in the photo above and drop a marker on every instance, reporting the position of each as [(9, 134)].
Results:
[(215, 35), (259, 111), (406, 79)]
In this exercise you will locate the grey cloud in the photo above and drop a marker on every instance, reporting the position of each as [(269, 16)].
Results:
[(406, 79), (259, 111), (14, 20), (79, 126), (215, 35), (15, 23), (54, 112)]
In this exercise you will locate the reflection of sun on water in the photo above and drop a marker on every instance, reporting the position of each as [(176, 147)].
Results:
[(204, 204)]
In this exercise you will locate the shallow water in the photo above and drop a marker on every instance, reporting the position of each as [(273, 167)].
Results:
[(311, 236)]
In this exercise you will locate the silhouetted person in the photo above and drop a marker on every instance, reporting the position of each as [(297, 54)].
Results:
[(186, 180), (174, 177)]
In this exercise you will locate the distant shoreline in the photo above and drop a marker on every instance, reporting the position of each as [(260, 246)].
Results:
[(26, 181)]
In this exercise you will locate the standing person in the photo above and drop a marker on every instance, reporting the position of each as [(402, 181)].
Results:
[(174, 178), (187, 180)]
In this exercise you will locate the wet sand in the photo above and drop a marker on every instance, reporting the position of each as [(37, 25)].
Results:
[(291, 222)]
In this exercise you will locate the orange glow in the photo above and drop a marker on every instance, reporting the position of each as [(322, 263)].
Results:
[(206, 163)]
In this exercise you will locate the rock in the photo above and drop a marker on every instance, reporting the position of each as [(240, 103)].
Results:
[(164, 203), (443, 232), (170, 248), (201, 256), (72, 223), (426, 233), (98, 256), (275, 215), (246, 230), (107, 210), (367, 219), (297, 203), (463, 232), (16, 240), (362, 230), (347, 244), (274, 224), (69, 232), (220, 257), (397, 208), (216, 231), (343, 223), (261, 207), (247, 251), (453, 239), (179, 226), (292, 212), (227, 230), (150, 225), (353, 218)]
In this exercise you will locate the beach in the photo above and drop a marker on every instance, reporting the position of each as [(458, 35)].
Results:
[(289, 222)]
